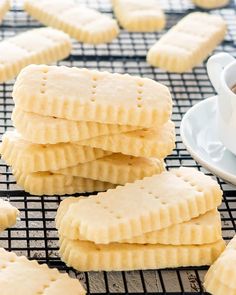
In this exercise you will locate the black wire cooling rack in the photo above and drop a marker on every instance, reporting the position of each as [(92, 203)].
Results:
[(35, 235)]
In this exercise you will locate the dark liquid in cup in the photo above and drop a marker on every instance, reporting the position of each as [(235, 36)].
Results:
[(234, 89)]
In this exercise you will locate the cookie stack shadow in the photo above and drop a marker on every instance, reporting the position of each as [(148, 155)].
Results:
[(79, 130)]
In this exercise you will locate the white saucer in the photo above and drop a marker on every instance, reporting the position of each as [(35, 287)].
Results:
[(199, 134)]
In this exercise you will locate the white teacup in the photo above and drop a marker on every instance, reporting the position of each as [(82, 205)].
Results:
[(221, 69)]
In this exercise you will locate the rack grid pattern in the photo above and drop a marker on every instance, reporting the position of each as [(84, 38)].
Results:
[(35, 235)]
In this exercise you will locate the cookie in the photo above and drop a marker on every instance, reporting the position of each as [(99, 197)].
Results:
[(151, 204), (29, 157), (82, 23), (138, 15), (188, 43), (156, 142), (42, 45), (51, 130), (48, 183), (92, 96), (116, 168), (209, 4), (8, 214), (205, 229), (221, 277), (19, 275), (87, 256)]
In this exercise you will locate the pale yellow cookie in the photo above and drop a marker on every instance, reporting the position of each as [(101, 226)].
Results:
[(153, 142), (209, 4), (29, 157), (146, 205), (42, 45), (87, 256), (222, 274), (48, 183), (116, 168), (19, 276), (216, 287), (82, 23), (4, 7), (205, 229), (139, 15), (188, 43), (8, 214), (51, 130), (92, 96)]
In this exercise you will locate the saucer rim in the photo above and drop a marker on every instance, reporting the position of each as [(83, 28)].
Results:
[(209, 166)]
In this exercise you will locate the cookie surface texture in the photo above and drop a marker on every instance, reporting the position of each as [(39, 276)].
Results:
[(80, 22), (44, 45), (138, 15), (92, 96), (188, 43), (40, 278)]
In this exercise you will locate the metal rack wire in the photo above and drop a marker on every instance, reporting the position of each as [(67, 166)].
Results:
[(35, 235)]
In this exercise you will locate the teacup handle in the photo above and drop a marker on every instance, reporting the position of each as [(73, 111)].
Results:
[(215, 66)]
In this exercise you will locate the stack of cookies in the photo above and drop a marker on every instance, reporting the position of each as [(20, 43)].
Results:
[(80, 130), (166, 220)]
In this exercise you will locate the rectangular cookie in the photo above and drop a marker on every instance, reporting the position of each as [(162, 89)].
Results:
[(19, 275), (146, 205), (87, 256), (50, 130), (116, 168), (222, 274), (92, 96), (139, 15), (157, 142), (4, 7), (29, 157), (8, 214), (209, 4), (188, 43), (42, 45), (205, 229), (48, 183), (80, 22)]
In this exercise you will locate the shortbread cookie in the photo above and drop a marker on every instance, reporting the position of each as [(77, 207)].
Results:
[(188, 43), (116, 168), (51, 130), (20, 276), (28, 157), (82, 23), (4, 7), (139, 15), (222, 274), (216, 287), (87, 256), (146, 205), (42, 45), (153, 142), (48, 183), (205, 229), (92, 96), (8, 214), (210, 3)]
